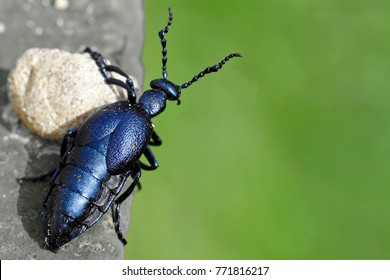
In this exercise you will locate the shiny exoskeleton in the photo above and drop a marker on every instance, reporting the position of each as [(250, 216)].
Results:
[(97, 158)]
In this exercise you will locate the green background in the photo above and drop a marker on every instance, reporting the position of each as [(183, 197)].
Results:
[(283, 154)]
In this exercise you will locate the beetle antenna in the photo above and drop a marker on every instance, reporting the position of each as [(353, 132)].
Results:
[(210, 69), (164, 43)]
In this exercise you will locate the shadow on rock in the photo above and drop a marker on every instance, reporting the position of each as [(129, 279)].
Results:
[(4, 100), (41, 156), (32, 194)]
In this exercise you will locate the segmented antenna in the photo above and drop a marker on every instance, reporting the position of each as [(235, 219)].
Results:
[(164, 44), (210, 69)]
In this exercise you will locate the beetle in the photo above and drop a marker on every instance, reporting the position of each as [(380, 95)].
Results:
[(97, 159)]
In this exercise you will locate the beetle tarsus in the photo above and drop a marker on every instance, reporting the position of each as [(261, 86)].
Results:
[(155, 140), (105, 68), (116, 209)]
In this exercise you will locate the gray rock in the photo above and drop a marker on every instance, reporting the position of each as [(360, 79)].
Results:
[(114, 28)]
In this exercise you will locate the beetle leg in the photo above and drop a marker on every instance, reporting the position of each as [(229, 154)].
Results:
[(39, 177), (100, 61), (129, 84), (155, 139), (116, 208), (129, 87), (70, 134), (105, 69), (139, 186), (63, 153), (151, 159)]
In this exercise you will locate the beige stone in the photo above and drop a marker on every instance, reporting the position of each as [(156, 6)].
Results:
[(53, 90)]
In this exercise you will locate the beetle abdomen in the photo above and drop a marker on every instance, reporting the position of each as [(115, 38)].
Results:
[(78, 197)]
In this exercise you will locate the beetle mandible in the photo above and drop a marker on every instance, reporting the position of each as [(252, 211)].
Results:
[(97, 158)]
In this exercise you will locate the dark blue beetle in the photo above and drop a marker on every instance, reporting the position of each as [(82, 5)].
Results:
[(97, 159)]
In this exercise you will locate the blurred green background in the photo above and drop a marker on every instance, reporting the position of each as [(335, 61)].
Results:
[(283, 154)]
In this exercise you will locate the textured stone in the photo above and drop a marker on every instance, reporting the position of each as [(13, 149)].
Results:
[(53, 91), (114, 28)]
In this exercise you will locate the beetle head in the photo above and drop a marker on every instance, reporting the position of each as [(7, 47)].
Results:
[(172, 91), (154, 100)]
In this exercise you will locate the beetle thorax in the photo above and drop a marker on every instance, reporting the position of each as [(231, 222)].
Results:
[(153, 101)]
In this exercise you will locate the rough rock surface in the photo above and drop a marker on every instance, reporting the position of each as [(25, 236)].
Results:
[(114, 28), (53, 91)]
